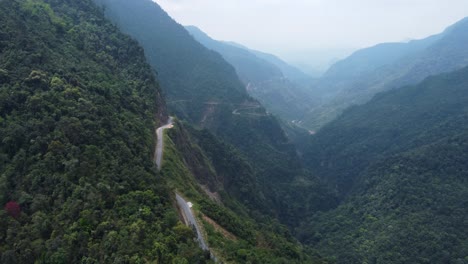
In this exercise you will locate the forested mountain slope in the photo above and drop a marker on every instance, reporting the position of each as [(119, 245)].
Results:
[(250, 68), (356, 79), (78, 108), (204, 89), (191, 75), (367, 60), (225, 192), (241, 57), (278, 86), (390, 123), (399, 164), (291, 72)]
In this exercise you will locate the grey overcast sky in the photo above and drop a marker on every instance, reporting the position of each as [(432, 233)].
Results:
[(307, 29)]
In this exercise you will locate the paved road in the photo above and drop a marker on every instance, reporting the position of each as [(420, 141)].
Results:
[(158, 153), (236, 111), (190, 220), (184, 207)]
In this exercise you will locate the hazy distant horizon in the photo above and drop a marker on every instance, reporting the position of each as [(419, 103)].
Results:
[(316, 32)]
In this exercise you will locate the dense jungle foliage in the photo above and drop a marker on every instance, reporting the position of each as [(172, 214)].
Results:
[(190, 75), (399, 164), (78, 107), (386, 182), (222, 186)]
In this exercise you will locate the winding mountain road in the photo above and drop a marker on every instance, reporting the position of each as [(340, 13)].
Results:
[(185, 209), (158, 153), (190, 220), (236, 111)]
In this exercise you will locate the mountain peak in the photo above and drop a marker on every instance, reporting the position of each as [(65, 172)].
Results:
[(460, 25)]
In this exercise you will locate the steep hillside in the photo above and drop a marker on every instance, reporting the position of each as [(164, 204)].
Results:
[(78, 107), (284, 98), (249, 67), (398, 163), (196, 81), (410, 209), (222, 187), (289, 71), (367, 60), (356, 79), (222, 105), (278, 86), (390, 123)]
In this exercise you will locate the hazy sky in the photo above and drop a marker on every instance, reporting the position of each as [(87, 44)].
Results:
[(295, 29)]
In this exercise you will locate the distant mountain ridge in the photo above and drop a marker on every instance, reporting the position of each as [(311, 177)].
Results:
[(249, 68), (365, 61), (279, 86), (357, 78), (225, 49), (289, 71)]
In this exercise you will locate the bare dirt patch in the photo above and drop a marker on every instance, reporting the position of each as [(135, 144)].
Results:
[(219, 228)]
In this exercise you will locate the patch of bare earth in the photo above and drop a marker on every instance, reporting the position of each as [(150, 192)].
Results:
[(219, 228), (209, 110), (213, 195)]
